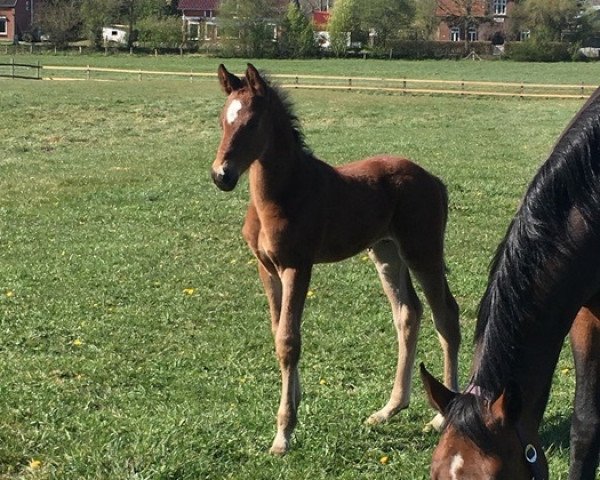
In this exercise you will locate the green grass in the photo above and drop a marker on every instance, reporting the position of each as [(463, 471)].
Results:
[(501, 71), (136, 340)]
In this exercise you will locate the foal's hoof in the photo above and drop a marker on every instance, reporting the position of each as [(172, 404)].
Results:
[(437, 423), (384, 415), (377, 418), (280, 447)]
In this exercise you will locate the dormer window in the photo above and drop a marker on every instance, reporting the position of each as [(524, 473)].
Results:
[(499, 7)]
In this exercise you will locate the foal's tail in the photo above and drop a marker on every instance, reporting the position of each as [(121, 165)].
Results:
[(445, 201), (445, 208)]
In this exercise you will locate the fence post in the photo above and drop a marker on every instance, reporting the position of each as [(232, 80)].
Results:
[(296, 82), (12, 61), (191, 75), (522, 90), (582, 89), (462, 88), (39, 70), (87, 73), (140, 75), (349, 84)]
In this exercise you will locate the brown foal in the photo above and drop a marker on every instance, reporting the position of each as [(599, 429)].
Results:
[(303, 211)]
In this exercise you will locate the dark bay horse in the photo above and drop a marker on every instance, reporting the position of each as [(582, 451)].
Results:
[(544, 280), (303, 211)]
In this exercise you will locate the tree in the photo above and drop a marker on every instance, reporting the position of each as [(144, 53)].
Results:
[(97, 14), (59, 20), (297, 38), (386, 17), (159, 32), (343, 23), (547, 19), (425, 20), (249, 26)]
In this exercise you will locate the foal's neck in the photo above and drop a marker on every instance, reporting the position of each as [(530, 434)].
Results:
[(284, 160)]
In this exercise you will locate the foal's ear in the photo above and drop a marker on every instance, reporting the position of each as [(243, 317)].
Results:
[(229, 82), (506, 409), (256, 82), (438, 394)]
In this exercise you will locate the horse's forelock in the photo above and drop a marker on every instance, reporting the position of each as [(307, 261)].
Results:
[(467, 416)]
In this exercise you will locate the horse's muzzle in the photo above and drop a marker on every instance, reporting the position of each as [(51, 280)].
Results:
[(225, 179)]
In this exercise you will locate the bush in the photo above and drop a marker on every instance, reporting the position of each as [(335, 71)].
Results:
[(427, 49), (538, 51), (160, 32)]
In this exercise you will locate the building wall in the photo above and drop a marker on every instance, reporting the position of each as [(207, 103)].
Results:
[(9, 13), (498, 27)]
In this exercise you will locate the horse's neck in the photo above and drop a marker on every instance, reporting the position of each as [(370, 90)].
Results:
[(532, 366), (279, 168)]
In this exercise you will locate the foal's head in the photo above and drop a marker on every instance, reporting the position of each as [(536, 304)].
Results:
[(243, 125), (482, 439)]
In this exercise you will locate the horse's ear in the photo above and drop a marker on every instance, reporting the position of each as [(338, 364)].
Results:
[(229, 82), (256, 82), (438, 394), (506, 409)]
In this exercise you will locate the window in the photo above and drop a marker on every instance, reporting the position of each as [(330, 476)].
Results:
[(325, 5), (499, 7), (473, 35), (208, 13), (525, 35), (3, 26), (455, 34)]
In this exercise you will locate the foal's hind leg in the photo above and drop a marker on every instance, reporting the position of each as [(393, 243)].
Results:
[(585, 425), (444, 309), (406, 310)]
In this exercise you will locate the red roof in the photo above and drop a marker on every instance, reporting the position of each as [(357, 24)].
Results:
[(457, 8), (321, 19), (198, 4)]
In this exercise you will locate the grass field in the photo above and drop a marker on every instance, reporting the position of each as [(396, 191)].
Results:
[(136, 342)]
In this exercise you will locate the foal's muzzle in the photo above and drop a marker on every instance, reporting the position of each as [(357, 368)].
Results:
[(225, 179)]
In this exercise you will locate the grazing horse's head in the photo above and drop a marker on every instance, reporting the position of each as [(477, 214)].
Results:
[(482, 439), (243, 126)]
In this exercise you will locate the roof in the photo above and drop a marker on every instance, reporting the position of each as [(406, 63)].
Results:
[(196, 4), (457, 8), (7, 3), (320, 18)]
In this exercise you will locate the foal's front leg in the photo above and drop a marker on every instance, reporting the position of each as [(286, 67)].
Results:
[(294, 283)]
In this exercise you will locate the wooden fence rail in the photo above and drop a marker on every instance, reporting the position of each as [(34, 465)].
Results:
[(336, 82), (21, 70)]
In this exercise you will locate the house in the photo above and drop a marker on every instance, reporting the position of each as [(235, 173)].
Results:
[(16, 17), (199, 18), (474, 20)]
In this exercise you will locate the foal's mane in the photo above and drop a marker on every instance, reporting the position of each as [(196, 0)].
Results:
[(283, 108), (519, 289)]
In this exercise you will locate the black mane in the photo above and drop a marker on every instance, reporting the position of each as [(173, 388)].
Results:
[(283, 106), (525, 276), (520, 282)]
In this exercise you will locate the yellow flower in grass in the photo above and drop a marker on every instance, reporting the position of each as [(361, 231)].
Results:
[(189, 291), (323, 382), (35, 464), (384, 460), (9, 293), (310, 294), (77, 342)]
